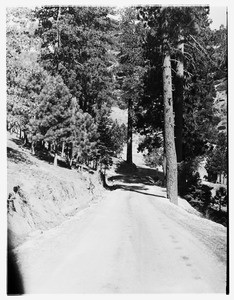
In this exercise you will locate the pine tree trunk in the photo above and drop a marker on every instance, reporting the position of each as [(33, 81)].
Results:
[(73, 123), (11, 129), (96, 165), (220, 205), (129, 133), (164, 165), (63, 146), (55, 148), (32, 148), (178, 101), (172, 189), (58, 32), (55, 159), (22, 135), (70, 155), (58, 35), (25, 139), (17, 131)]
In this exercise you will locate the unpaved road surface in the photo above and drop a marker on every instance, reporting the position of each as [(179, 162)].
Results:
[(129, 242)]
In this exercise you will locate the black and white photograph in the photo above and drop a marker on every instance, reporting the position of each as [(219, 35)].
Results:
[(116, 148)]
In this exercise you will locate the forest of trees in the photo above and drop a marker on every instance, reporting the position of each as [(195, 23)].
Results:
[(68, 66)]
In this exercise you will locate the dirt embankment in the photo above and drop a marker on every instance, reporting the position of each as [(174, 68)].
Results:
[(41, 196)]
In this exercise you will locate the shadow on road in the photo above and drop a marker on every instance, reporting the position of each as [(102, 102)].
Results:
[(135, 182), (144, 193), (141, 175), (132, 179)]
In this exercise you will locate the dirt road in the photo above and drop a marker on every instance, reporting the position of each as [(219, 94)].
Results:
[(129, 242)]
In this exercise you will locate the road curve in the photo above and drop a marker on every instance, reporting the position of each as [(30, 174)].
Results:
[(129, 242)]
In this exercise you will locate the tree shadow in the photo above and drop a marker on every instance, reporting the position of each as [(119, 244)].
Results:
[(132, 179), (123, 167), (41, 154), (136, 190), (218, 216), (44, 155), (16, 156), (132, 188), (141, 175), (18, 142), (144, 171)]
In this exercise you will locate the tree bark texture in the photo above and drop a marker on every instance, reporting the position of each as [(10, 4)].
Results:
[(172, 189), (25, 139), (129, 132), (55, 159), (58, 31), (178, 101), (33, 148), (63, 147)]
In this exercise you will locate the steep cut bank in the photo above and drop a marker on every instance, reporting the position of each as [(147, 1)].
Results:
[(41, 196)]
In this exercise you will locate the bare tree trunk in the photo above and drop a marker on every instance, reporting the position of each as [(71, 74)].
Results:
[(129, 132), (172, 188), (178, 101)]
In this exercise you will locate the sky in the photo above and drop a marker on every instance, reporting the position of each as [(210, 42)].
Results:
[(217, 12), (218, 16)]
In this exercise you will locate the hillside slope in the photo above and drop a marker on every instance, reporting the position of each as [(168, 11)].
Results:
[(41, 196)]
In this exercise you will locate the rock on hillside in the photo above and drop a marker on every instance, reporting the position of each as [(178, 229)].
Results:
[(41, 196)]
